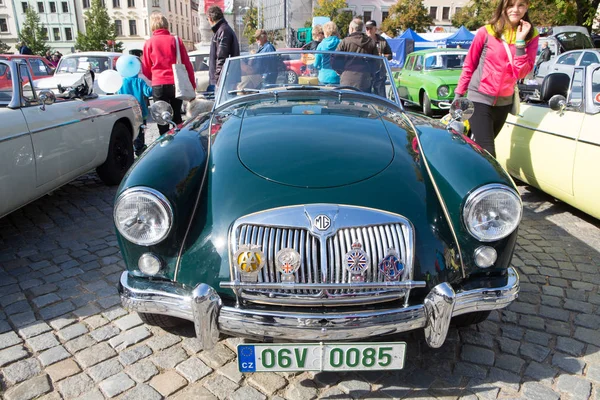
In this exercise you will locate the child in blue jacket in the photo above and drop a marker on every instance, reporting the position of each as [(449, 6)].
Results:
[(139, 89)]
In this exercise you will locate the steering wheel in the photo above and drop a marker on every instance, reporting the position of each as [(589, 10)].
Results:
[(346, 87)]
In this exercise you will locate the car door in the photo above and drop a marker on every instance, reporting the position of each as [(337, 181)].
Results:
[(64, 138), (17, 163), (539, 146), (566, 62), (413, 83), (588, 58), (38, 68), (404, 76)]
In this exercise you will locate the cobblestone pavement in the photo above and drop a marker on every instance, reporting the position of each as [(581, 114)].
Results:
[(63, 333)]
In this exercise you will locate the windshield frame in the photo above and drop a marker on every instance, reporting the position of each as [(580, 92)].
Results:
[(66, 59), (219, 94)]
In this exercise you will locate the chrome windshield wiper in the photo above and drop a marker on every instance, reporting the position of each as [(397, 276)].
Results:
[(245, 90), (303, 87)]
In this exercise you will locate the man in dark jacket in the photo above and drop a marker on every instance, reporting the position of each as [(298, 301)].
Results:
[(23, 49), (544, 56), (384, 49), (356, 72), (317, 37), (268, 67), (224, 44)]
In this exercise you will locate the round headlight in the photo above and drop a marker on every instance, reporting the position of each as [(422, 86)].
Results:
[(492, 212), (443, 91), (149, 264), (143, 216)]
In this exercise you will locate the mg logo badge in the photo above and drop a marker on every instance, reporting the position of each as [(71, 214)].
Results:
[(322, 222)]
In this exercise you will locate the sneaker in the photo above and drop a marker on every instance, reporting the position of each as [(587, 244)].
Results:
[(140, 151)]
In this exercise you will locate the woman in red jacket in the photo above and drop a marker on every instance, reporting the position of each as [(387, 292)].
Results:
[(159, 56), (490, 75)]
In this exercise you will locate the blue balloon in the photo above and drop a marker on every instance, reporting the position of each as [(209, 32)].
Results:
[(128, 65)]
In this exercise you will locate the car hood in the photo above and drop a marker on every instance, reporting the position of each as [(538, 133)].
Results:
[(345, 146), (65, 80)]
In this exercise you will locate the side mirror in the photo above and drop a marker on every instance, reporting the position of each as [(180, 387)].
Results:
[(462, 109), (47, 97), (557, 102), (162, 113)]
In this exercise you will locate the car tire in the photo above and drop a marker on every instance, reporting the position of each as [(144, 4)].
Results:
[(427, 105), (291, 77), (162, 321), (120, 156), (473, 318)]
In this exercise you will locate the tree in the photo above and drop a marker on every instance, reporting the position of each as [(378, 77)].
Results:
[(32, 33), (250, 22), (4, 48), (407, 14), (337, 11), (99, 31), (474, 15)]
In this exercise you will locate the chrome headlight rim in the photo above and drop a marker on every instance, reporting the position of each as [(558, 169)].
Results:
[(474, 197), (441, 89), (162, 200)]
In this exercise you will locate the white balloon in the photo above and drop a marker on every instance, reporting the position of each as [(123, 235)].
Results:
[(110, 81)]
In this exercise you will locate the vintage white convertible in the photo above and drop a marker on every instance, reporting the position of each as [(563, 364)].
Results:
[(47, 142)]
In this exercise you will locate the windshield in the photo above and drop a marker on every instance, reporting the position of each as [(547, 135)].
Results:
[(82, 64), (310, 70), (574, 41), (445, 61)]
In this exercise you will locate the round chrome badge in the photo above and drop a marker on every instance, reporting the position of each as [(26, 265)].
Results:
[(287, 262), (356, 262), (249, 259), (391, 266)]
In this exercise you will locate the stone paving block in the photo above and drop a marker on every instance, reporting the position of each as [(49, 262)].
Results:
[(142, 371), (163, 341), (105, 369), (128, 322), (62, 322), (536, 337), (4, 326), (76, 386), (110, 301), (558, 328), (21, 371), (217, 356), (541, 372), (134, 354), (116, 385), (87, 310), (46, 300), (96, 321), (53, 355), (478, 355), (569, 346), (537, 391), (192, 345), (79, 343), (230, 371), (577, 387), (266, 382), (95, 354), (193, 369), (105, 333), (220, 386), (83, 301), (114, 313), (22, 319), (62, 370), (129, 338), (37, 328), (590, 336), (42, 342), (142, 392), (588, 321), (169, 358), (56, 310), (194, 392), (568, 363), (350, 385), (509, 363), (247, 393), (508, 345), (168, 383), (17, 307), (12, 354), (8, 299), (297, 391), (30, 389), (534, 351), (9, 339), (72, 331)]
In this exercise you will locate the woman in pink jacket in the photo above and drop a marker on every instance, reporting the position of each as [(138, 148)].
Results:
[(490, 75)]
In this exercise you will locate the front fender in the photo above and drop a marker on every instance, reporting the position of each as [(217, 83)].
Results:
[(175, 166)]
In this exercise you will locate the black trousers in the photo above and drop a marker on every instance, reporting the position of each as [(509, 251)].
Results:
[(486, 123), (167, 93)]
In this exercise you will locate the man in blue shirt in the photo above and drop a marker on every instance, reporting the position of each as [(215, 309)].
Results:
[(268, 66)]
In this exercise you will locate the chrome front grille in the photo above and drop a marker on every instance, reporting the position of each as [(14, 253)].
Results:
[(322, 254)]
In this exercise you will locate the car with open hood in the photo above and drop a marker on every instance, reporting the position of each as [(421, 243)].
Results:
[(319, 216)]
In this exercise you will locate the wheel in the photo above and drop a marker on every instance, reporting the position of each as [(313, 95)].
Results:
[(120, 155), (163, 321), (473, 318), (291, 77), (427, 105)]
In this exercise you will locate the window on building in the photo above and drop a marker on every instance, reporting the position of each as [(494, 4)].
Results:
[(25, 5), (56, 32), (132, 27), (181, 8), (45, 33), (384, 15), (86, 3), (367, 16), (171, 27), (177, 27), (52, 7), (65, 7), (445, 13), (116, 3), (118, 27), (130, 3), (433, 12), (155, 3), (3, 25), (186, 11), (146, 27), (68, 34), (457, 9), (170, 8), (144, 3), (40, 7)]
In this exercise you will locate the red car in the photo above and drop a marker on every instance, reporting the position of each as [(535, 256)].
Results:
[(38, 66), (297, 65)]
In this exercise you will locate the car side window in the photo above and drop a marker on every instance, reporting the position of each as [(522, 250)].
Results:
[(38, 68), (28, 92), (588, 58), (576, 93), (6, 86), (419, 63), (596, 86), (569, 59), (409, 63)]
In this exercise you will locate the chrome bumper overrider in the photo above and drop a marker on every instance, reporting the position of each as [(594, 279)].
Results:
[(204, 307)]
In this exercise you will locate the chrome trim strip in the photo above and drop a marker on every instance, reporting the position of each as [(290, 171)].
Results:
[(541, 131), (15, 136), (203, 306), (307, 286), (62, 124)]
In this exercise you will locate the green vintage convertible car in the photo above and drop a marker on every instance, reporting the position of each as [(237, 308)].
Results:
[(314, 215), (429, 77)]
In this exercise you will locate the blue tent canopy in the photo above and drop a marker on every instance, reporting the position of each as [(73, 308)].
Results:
[(462, 37), (400, 48), (420, 43)]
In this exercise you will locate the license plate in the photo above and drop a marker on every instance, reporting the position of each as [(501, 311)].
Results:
[(320, 357)]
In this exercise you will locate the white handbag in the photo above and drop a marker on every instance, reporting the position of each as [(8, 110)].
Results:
[(516, 105), (183, 87)]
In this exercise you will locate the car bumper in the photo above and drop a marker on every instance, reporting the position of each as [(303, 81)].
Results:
[(203, 306)]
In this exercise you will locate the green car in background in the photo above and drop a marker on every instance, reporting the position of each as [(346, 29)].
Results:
[(429, 77)]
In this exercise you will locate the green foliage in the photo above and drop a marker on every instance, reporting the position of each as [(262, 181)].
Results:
[(337, 11), (342, 21), (407, 14), (250, 22), (98, 31), (474, 15), (308, 24), (4, 48), (32, 34)]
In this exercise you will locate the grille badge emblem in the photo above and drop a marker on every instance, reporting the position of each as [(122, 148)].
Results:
[(249, 260), (356, 262), (391, 266), (288, 262), (322, 222)]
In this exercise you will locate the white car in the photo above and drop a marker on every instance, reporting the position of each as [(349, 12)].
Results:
[(567, 61), (46, 144), (199, 59), (71, 68)]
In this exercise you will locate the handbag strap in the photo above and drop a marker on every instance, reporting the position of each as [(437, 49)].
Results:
[(509, 54), (177, 49)]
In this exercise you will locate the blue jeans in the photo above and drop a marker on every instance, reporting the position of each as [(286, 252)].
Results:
[(140, 140)]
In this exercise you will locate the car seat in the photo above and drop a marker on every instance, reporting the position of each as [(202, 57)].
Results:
[(554, 83)]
